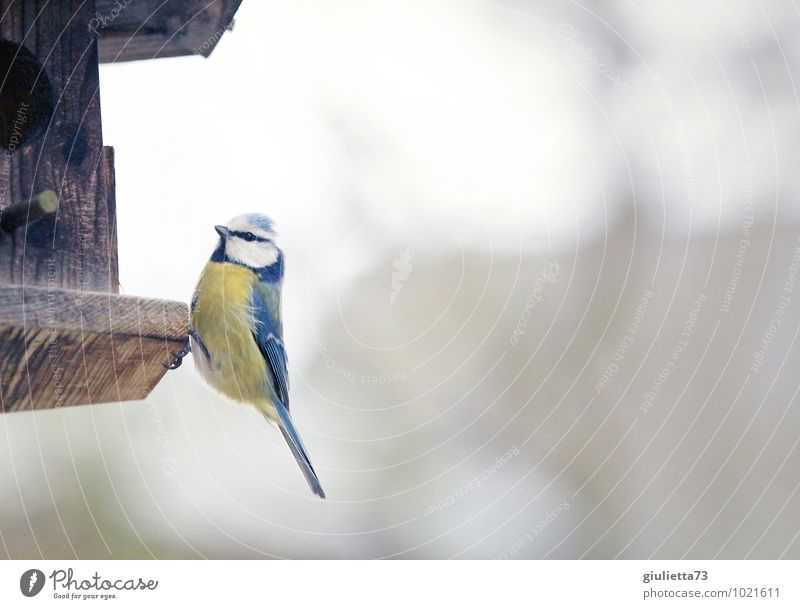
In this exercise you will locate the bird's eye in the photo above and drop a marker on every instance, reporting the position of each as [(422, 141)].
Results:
[(249, 237)]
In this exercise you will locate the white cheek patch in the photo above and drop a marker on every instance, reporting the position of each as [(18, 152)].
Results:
[(254, 254)]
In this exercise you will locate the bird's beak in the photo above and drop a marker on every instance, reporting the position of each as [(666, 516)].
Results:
[(222, 231)]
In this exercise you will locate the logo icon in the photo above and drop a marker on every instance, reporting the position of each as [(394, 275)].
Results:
[(402, 269), (31, 582)]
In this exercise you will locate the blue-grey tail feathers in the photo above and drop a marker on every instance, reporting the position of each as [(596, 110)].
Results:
[(298, 450)]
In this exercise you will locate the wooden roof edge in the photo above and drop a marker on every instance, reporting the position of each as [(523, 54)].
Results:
[(153, 29), (93, 312)]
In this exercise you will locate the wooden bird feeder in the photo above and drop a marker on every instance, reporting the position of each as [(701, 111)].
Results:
[(67, 337)]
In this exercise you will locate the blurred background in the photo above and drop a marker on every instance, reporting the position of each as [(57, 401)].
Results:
[(540, 299)]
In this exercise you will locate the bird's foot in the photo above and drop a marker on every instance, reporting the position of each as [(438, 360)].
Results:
[(179, 355)]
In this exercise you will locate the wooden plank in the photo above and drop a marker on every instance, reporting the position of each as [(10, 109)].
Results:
[(147, 29), (63, 347), (92, 312), (74, 248), (108, 211), (66, 337)]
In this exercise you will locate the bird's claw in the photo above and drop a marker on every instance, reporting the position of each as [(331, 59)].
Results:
[(178, 355)]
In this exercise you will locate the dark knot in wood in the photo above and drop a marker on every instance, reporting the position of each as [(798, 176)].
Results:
[(18, 215)]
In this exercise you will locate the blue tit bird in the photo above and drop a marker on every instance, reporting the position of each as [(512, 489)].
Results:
[(236, 329)]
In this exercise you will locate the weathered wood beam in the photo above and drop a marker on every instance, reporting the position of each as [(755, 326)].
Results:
[(83, 348), (78, 244), (148, 29), (66, 336)]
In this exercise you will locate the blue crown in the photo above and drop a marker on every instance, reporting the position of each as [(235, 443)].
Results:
[(260, 221)]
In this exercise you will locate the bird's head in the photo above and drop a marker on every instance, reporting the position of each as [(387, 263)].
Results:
[(248, 240)]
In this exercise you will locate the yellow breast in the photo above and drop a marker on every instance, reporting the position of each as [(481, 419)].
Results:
[(223, 320)]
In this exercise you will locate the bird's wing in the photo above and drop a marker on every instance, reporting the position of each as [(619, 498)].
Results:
[(267, 334)]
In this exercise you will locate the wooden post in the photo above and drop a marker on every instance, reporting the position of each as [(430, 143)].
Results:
[(66, 337), (76, 248)]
